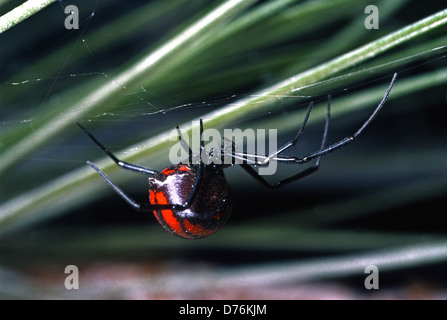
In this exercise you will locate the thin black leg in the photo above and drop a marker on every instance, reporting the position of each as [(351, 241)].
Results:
[(262, 160), (293, 142), (122, 164), (139, 206), (301, 174), (146, 206), (344, 141), (184, 145), (278, 184), (199, 172)]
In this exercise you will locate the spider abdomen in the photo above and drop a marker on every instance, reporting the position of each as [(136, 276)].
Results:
[(209, 210)]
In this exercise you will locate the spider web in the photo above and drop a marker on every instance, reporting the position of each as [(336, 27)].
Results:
[(37, 83), (34, 87)]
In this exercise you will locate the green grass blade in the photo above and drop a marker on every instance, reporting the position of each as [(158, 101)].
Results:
[(153, 62), (22, 12)]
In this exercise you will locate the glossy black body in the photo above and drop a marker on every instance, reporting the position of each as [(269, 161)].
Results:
[(209, 210)]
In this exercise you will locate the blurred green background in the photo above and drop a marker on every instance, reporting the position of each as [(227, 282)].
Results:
[(380, 200)]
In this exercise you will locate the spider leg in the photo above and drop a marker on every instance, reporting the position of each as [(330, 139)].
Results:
[(139, 206), (184, 145), (343, 142), (199, 172), (121, 164), (264, 160), (252, 172), (293, 142), (145, 206), (300, 174)]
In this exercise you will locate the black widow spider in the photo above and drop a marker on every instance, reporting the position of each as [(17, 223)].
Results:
[(194, 200)]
